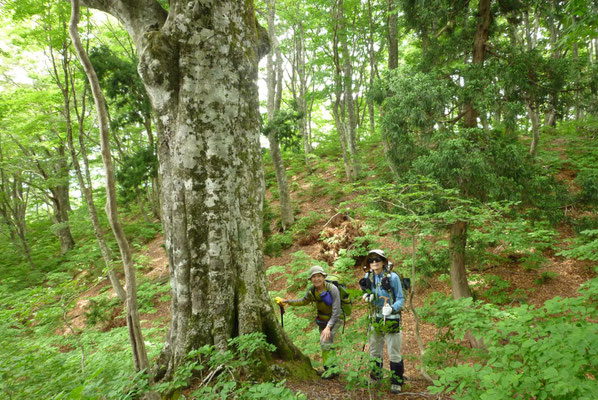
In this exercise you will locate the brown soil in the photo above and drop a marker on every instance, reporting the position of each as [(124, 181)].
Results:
[(322, 242)]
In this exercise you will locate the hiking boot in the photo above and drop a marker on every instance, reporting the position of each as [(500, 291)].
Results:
[(329, 376), (395, 389)]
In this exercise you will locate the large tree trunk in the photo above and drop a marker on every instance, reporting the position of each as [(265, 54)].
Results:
[(274, 81), (198, 63), (457, 242), (133, 323)]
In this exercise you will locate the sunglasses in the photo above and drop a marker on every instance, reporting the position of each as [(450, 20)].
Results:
[(373, 260)]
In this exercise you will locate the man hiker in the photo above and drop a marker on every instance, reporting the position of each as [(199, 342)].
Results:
[(383, 291), (328, 306)]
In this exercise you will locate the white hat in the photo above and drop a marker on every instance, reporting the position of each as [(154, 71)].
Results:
[(316, 269), (379, 252)]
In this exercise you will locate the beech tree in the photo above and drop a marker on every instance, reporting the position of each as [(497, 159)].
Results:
[(198, 62)]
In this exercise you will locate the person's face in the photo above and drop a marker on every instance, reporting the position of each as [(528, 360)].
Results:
[(376, 263), (317, 280)]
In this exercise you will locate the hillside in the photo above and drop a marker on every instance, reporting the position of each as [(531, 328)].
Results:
[(329, 223)]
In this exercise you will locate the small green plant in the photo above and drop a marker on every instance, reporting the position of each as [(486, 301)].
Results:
[(99, 310), (545, 277), (275, 244), (218, 372), (585, 246), (587, 179), (492, 288), (147, 291)]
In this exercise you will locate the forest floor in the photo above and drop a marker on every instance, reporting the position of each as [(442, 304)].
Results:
[(567, 275)]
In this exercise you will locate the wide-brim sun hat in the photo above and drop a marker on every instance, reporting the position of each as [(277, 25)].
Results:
[(378, 252), (316, 269)]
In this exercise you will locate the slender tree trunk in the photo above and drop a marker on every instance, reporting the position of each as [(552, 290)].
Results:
[(93, 214), (60, 201), (479, 53), (393, 62), (351, 131), (340, 102), (535, 120), (457, 243), (133, 324), (373, 70), (392, 34), (301, 98), (13, 207), (274, 81)]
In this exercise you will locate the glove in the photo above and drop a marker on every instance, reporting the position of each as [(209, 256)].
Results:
[(279, 301), (368, 297), (386, 310)]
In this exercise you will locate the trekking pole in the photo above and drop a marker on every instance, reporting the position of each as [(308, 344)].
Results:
[(278, 301)]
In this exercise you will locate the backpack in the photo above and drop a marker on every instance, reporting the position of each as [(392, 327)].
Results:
[(405, 283), (346, 302)]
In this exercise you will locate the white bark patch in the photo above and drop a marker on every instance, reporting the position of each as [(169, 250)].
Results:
[(190, 147), (212, 188), (159, 97)]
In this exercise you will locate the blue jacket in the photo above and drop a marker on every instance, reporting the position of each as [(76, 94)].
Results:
[(379, 292)]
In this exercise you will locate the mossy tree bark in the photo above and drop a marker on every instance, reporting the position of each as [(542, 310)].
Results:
[(198, 62), (457, 243)]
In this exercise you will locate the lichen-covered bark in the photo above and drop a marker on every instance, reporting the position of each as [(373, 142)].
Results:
[(199, 66)]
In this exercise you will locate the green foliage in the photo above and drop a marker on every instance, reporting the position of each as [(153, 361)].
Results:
[(585, 246), (285, 126), (219, 372), (492, 288), (511, 240), (540, 353), (99, 310), (545, 277), (135, 172), (147, 292), (296, 272), (587, 179), (278, 242)]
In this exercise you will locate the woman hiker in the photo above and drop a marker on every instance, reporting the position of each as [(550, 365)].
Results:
[(384, 292), (328, 305)]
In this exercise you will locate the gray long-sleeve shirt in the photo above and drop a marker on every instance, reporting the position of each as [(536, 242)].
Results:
[(328, 313)]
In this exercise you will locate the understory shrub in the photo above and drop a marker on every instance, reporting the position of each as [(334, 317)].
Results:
[(549, 352)]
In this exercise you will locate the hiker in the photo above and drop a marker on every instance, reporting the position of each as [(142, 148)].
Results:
[(328, 305), (384, 293)]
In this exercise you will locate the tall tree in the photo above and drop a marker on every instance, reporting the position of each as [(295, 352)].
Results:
[(198, 62), (133, 324), (274, 81)]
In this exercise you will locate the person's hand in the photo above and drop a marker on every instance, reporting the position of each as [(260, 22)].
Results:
[(386, 310), (325, 335), (280, 301), (368, 297)]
